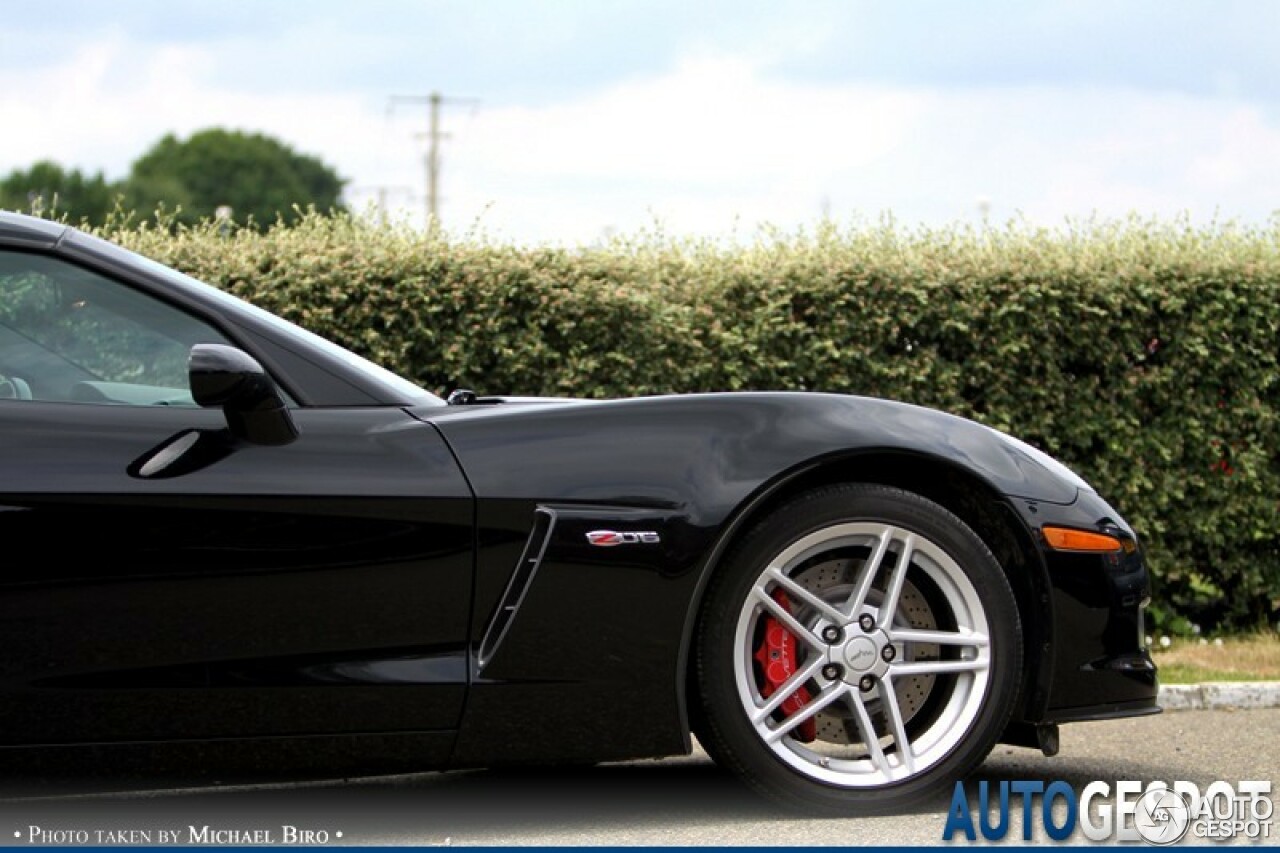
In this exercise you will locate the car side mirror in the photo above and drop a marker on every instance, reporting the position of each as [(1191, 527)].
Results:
[(231, 378)]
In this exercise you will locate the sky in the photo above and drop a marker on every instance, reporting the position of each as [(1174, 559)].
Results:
[(567, 122)]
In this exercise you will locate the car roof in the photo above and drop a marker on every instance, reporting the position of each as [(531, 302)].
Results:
[(17, 229)]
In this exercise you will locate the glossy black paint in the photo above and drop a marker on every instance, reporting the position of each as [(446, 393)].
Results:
[(230, 378), (277, 590), (1098, 657), (687, 467), (192, 585)]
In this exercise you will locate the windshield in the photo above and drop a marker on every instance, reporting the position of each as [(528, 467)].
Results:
[(379, 375)]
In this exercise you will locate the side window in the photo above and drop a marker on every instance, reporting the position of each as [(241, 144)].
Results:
[(67, 334)]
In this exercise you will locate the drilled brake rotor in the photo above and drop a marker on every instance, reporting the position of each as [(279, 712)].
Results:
[(833, 581)]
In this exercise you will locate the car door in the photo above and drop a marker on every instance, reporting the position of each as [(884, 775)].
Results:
[(318, 587)]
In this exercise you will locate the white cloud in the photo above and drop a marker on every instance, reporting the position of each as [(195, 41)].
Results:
[(713, 145), (699, 145), (1245, 154), (104, 106)]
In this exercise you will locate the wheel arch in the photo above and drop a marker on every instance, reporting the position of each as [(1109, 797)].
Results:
[(962, 492)]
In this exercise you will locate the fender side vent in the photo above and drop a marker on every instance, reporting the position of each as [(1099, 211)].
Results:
[(544, 521)]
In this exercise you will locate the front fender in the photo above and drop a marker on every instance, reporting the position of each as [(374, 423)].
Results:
[(692, 466)]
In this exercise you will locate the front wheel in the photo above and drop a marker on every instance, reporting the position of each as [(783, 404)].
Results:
[(858, 650)]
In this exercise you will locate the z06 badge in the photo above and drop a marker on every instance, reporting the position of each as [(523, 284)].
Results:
[(609, 538)]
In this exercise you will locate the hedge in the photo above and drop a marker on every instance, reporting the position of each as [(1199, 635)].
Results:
[(1142, 354)]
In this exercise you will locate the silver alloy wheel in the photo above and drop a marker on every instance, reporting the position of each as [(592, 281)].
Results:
[(855, 672)]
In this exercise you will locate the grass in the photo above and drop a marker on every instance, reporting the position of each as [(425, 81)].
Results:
[(1248, 657)]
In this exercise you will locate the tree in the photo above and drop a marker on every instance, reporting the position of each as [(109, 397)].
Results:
[(256, 176), (49, 189)]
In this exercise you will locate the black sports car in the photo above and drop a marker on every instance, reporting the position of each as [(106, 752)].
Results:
[(222, 527)]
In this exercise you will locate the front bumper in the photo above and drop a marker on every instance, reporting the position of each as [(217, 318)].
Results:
[(1100, 667)]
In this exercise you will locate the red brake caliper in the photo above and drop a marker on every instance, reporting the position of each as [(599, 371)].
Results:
[(777, 657)]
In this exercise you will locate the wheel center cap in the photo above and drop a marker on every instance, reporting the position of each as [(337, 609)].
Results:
[(860, 654)]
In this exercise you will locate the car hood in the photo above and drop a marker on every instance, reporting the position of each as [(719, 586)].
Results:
[(747, 434)]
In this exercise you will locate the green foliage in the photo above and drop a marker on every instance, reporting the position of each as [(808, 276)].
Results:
[(48, 189), (1143, 355), (260, 178)]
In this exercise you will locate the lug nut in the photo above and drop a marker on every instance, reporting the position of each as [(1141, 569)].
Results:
[(866, 683), (832, 671), (866, 623), (888, 653), (831, 634)]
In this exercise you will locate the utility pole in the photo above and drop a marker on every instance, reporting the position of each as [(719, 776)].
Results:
[(434, 102), (383, 192), (433, 160)]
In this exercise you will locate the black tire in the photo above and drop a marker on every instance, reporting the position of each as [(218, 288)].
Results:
[(970, 584)]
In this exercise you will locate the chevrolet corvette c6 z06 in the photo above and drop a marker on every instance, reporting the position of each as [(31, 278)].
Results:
[(228, 530)]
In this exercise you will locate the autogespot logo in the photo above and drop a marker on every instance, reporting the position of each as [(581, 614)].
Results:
[(1156, 813), (1162, 816)]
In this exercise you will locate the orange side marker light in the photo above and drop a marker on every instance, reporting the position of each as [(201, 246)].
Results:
[(1067, 539)]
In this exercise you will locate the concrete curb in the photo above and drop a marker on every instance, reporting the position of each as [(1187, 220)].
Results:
[(1219, 695)]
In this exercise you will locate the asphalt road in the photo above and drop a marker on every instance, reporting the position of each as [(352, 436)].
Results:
[(683, 800)]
